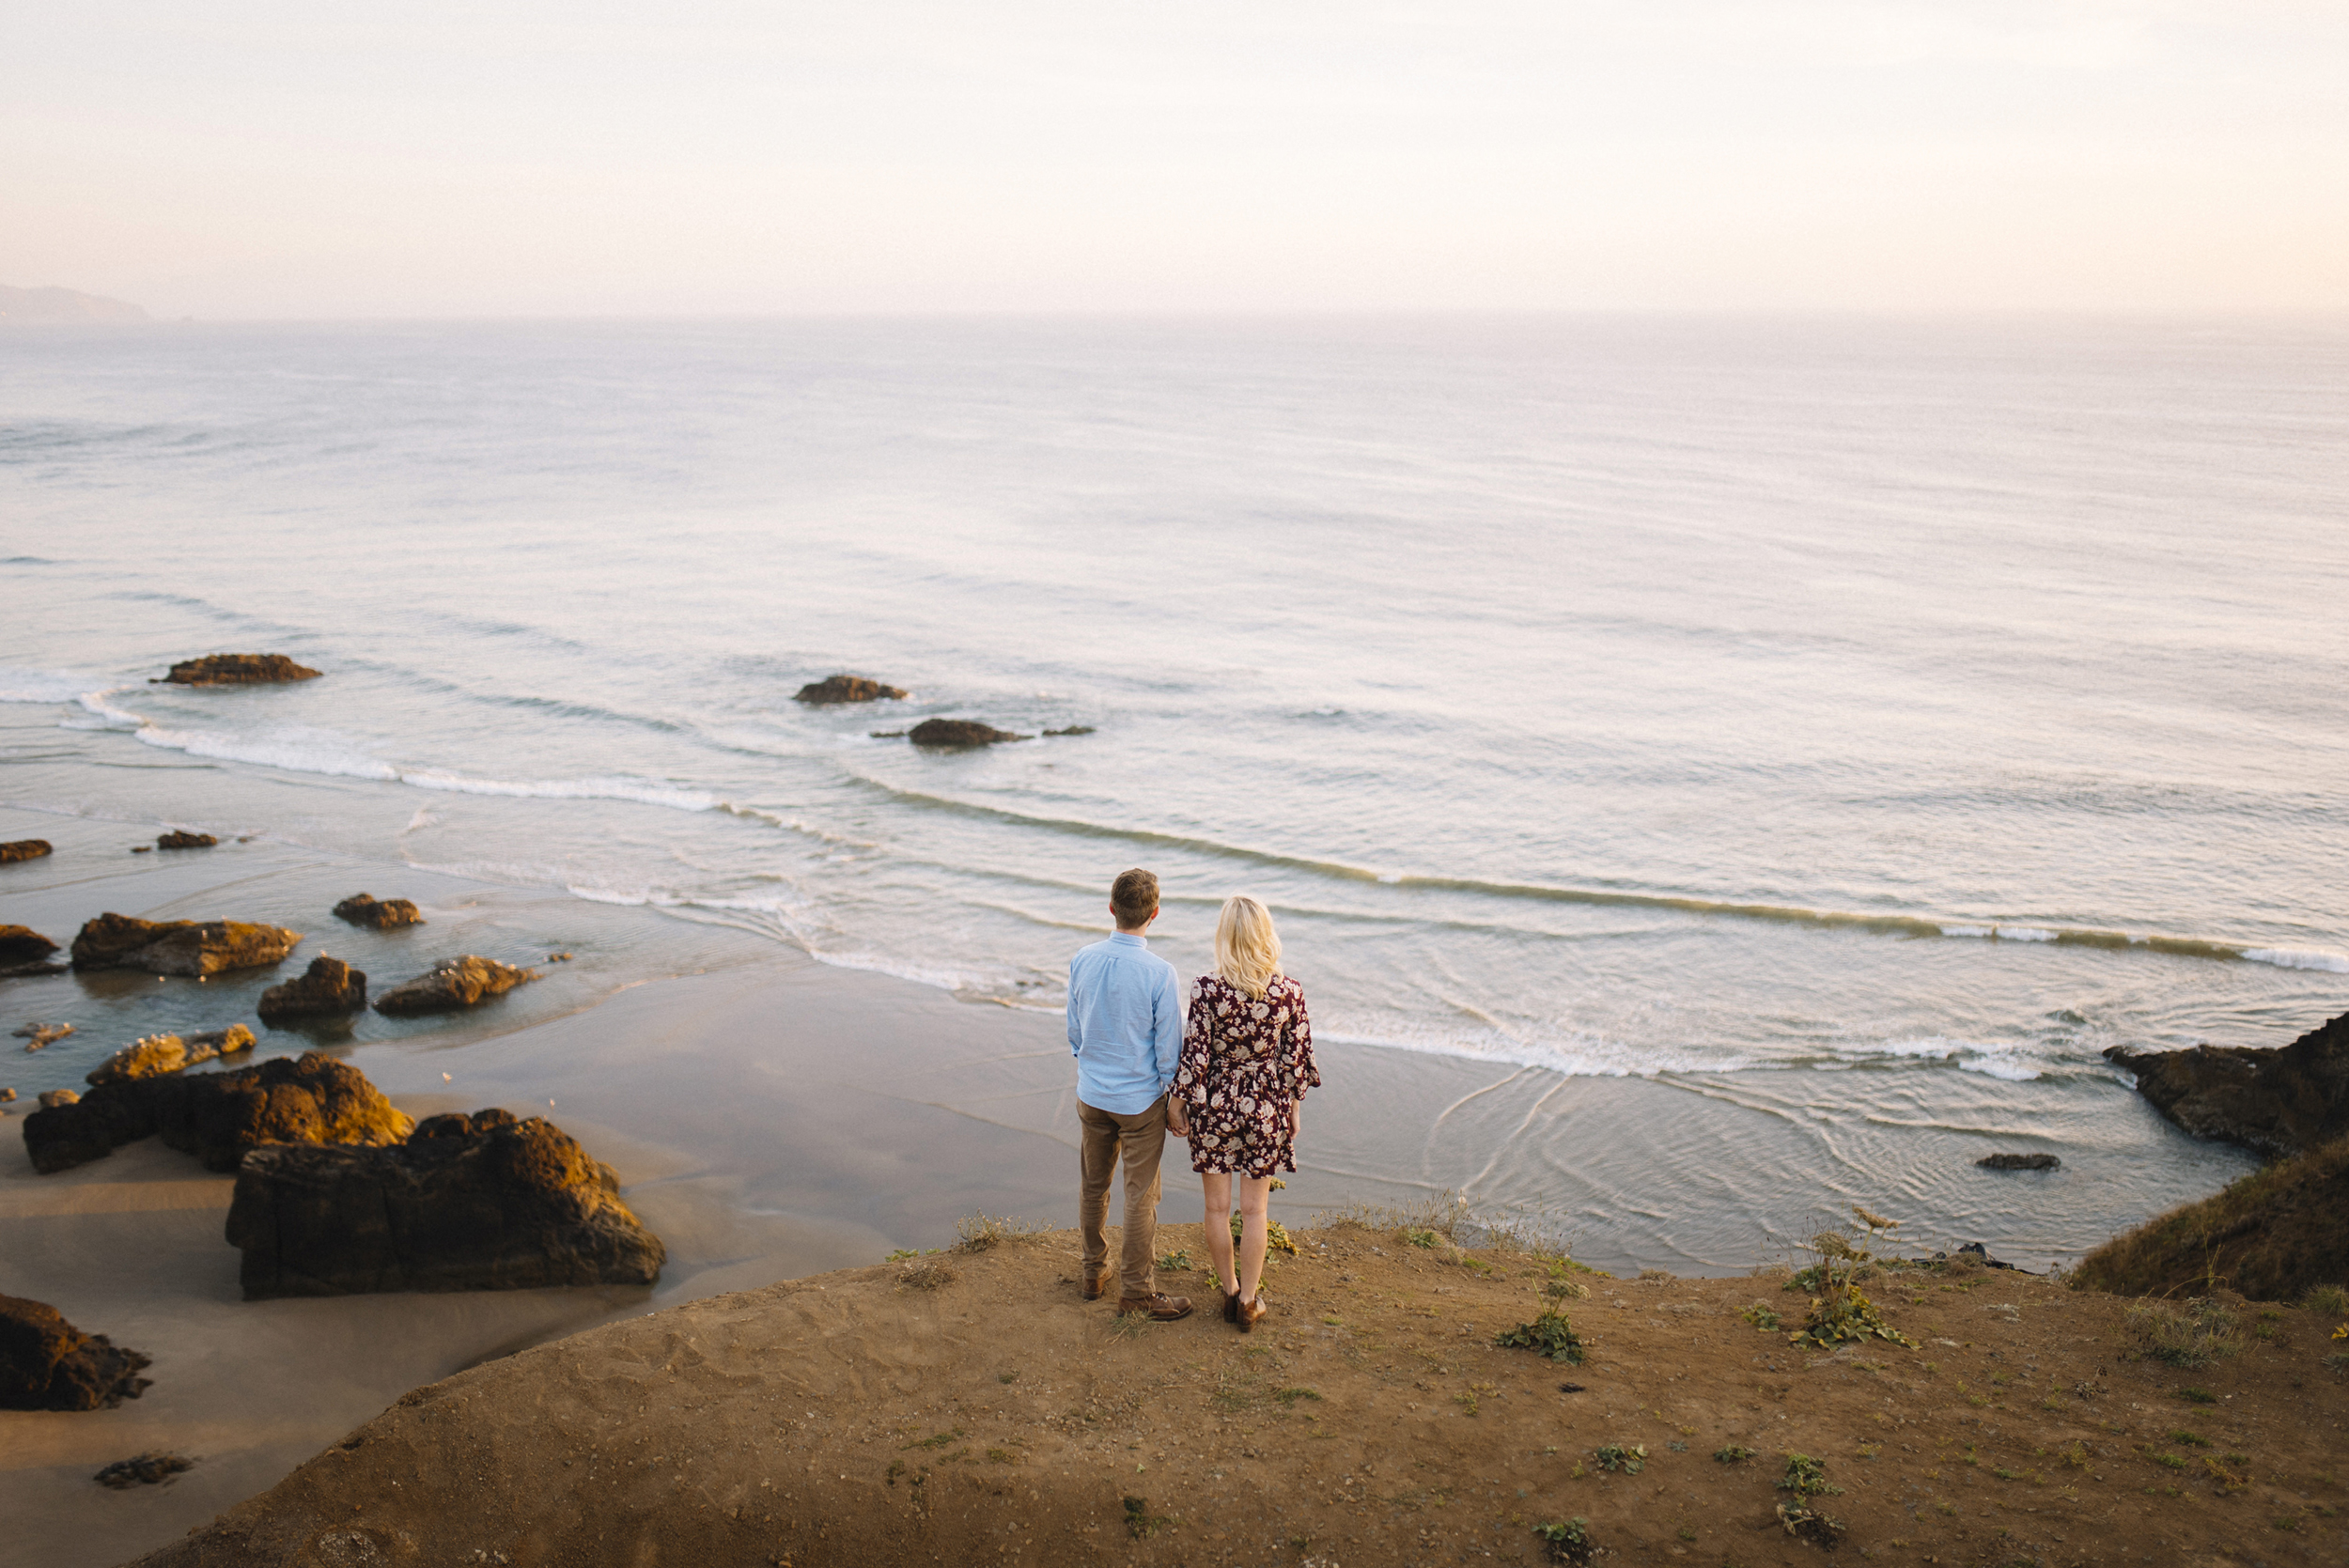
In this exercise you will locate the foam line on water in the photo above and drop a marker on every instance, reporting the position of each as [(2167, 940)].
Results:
[(1906, 925)]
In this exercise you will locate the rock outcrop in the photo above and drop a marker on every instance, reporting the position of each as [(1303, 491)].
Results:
[(179, 946), (181, 839), (158, 1054), (37, 1035), (469, 1202), (24, 849), (235, 669), (377, 914), (2277, 1102), (2019, 1162), (218, 1117), (843, 688), (452, 983), (144, 1470), (329, 988), (958, 735), (48, 1364), (21, 944)]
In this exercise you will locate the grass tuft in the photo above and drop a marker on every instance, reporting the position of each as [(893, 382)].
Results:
[(2198, 1334), (983, 1232)]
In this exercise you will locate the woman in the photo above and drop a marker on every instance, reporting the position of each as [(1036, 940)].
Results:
[(1248, 1058)]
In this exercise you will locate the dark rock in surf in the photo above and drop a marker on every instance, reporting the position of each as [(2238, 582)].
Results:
[(218, 1117), (843, 688), (378, 914), (1073, 729), (2018, 1162), (21, 944), (485, 1202), (24, 849), (182, 839), (48, 1364), (958, 735), (329, 988), (452, 983), (158, 1054), (179, 946), (145, 1469), (1980, 1254), (235, 669), (2277, 1102)]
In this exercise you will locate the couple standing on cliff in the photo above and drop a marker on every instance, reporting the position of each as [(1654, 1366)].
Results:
[(1228, 1080)]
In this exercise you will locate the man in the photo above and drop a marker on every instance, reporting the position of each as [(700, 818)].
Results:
[(1125, 1028)]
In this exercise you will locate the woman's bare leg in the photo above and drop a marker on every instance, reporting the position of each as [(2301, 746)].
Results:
[(1217, 1187), (1255, 1195)]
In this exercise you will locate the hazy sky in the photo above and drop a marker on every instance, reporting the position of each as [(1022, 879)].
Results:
[(269, 158)]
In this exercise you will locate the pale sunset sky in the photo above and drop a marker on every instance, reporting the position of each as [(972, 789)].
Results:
[(261, 158)]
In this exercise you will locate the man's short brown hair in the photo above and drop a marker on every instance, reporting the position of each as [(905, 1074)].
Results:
[(1133, 898)]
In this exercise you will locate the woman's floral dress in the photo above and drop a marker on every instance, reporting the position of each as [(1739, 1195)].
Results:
[(1246, 1064)]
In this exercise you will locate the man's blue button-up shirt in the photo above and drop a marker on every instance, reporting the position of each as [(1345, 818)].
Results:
[(1125, 1024)]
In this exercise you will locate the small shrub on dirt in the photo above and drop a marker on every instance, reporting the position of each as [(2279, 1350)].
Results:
[(1806, 1480), (922, 1274), (1549, 1335), (1567, 1543), (1177, 1261), (1762, 1315), (2196, 1396), (980, 1231), (2327, 1301), (1614, 1457), (1732, 1454), (1140, 1522), (2193, 1335)]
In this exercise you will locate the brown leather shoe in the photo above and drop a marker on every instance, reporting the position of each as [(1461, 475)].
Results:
[(1097, 1282), (1230, 1305), (1161, 1307), (1248, 1313)]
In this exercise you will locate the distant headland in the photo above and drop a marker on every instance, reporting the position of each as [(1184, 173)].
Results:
[(63, 305)]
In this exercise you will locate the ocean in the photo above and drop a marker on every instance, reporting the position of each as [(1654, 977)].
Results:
[(1859, 724)]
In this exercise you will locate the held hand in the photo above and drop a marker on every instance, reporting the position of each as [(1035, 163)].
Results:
[(1176, 1123)]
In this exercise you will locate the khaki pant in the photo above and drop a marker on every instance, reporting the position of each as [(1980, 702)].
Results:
[(1138, 1140)]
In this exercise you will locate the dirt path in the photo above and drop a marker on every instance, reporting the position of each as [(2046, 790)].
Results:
[(892, 1414)]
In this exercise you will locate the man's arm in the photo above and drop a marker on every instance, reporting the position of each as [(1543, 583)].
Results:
[(1166, 1030), (1076, 1028)]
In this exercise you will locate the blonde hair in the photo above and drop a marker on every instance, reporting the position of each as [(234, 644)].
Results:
[(1247, 948)]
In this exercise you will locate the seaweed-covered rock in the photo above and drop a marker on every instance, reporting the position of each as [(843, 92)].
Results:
[(958, 735), (479, 1203), (378, 914), (329, 988), (2277, 1102), (235, 669), (452, 983), (2018, 1162), (48, 1364), (181, 839), (158, 1054), (21, 944), (191, 947), (843, 688), (218, 1117), (24, 849)]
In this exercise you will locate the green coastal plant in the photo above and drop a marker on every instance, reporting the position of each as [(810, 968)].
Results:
[(1762, 1315), (1276, 1235), (1840, 1314), (1549, 1335), (1732, 1453), (980, 1232), (1569, 1541), (1614, 1457)]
